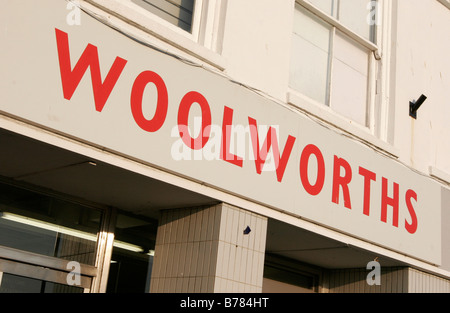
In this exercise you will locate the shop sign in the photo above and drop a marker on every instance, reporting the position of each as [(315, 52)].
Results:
[(95, 84)]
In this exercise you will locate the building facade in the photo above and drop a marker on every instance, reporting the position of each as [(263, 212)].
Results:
[(199, 146)]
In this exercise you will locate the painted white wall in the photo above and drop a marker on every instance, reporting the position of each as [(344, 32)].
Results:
[(423, 66), (256, 45)]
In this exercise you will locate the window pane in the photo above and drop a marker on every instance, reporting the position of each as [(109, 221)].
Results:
[(356, 15), (45, 225), (349, 79), (310, 55), (326, 6), (132, 257), (177, 12)]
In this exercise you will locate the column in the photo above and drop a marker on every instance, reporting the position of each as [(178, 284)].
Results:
[(209, 249)]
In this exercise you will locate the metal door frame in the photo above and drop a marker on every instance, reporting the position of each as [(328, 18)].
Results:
[(31, 265)]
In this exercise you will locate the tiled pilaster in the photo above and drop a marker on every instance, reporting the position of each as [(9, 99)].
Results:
[(205, 250)]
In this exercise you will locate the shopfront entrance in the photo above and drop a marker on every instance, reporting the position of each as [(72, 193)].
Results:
[(69, 224), (47, 244)]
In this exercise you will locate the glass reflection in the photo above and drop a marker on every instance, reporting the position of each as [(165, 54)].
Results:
[(130, 270), (19, 284), (46, 225)]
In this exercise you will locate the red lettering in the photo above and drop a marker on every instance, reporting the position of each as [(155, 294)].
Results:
[(341, 181), (225, 153), (137, 93), (411, 228), (183, 115), (71, 78), (368, 177), (387, 201), (342, 171), (270, 141), (304, 160)]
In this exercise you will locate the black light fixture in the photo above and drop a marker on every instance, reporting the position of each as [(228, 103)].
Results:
[(415, 105), (247, 230)]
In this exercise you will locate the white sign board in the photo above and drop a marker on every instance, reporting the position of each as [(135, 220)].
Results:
[(93, 83)]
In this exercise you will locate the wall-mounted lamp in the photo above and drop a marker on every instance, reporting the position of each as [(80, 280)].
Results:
[(415, 105), (247, 230)]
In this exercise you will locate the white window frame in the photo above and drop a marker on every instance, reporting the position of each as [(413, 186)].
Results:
[(203, 42), (138, 13), (377, 131), (445, 2)]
